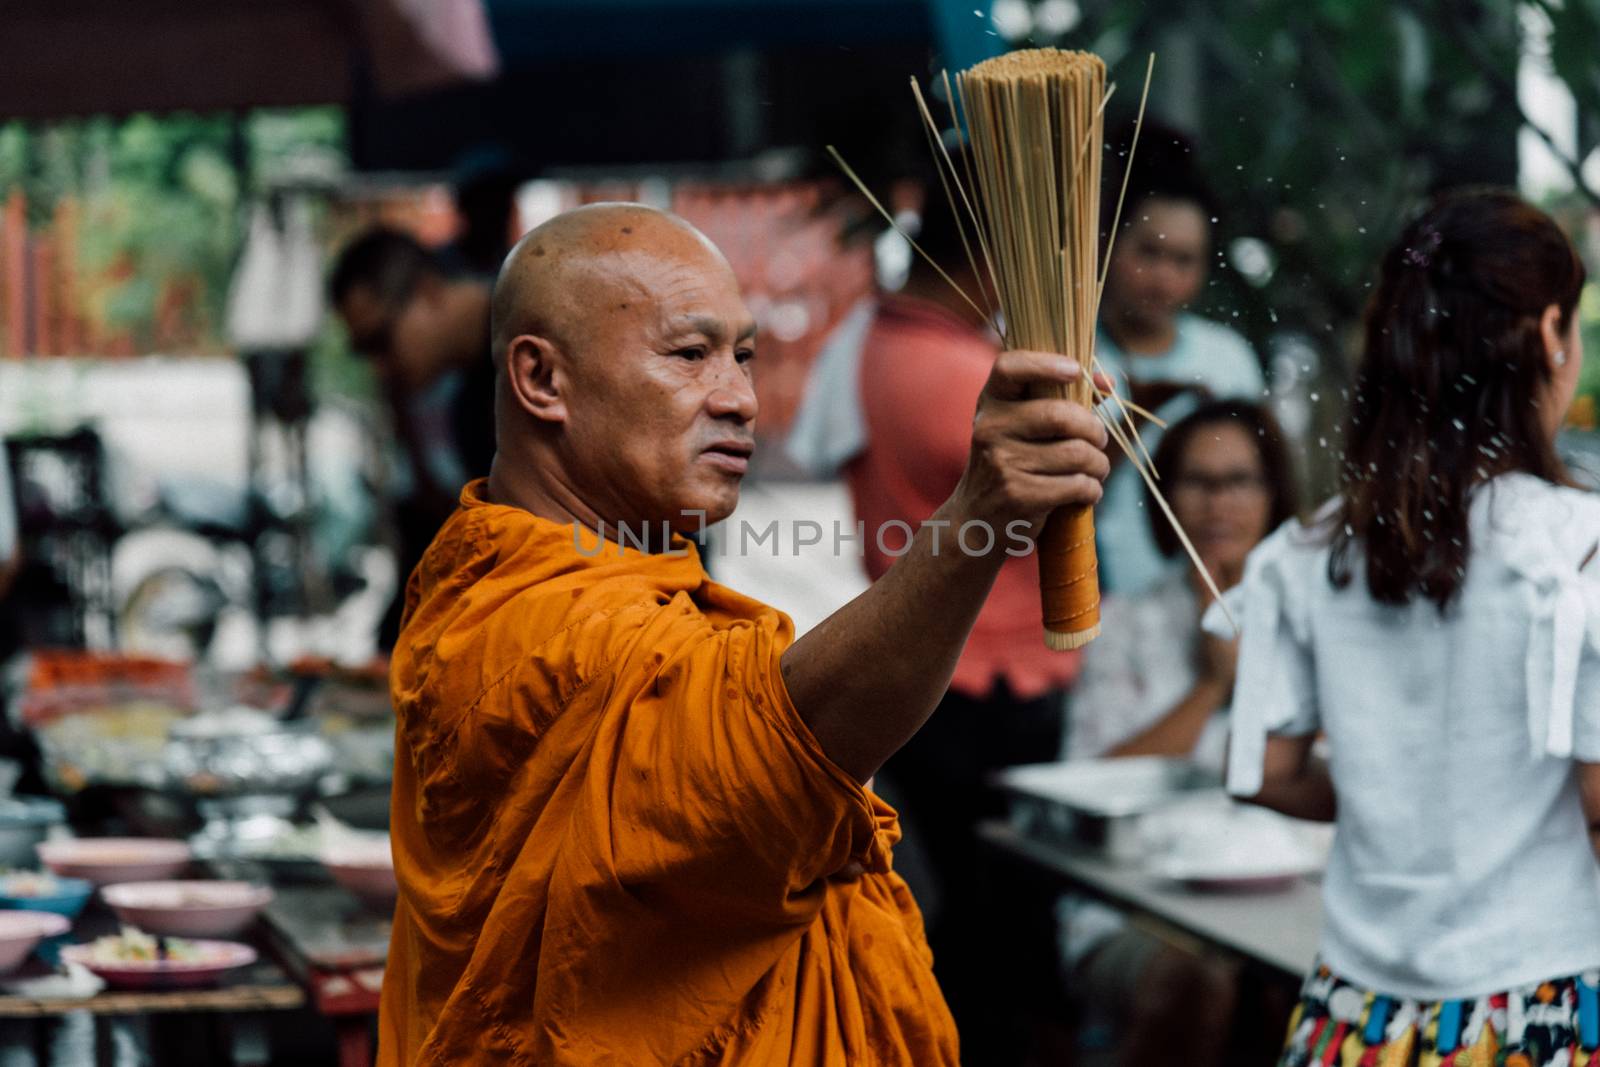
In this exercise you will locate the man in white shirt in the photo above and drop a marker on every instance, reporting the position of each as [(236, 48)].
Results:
[(1164, 358)]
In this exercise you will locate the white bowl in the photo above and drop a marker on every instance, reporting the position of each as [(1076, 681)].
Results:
[(21, 932), (105, 860), (188, 909), (366, 869)]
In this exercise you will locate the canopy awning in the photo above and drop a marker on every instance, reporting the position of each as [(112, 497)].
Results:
[(61, 58)]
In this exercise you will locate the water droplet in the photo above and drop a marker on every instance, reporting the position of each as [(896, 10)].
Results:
[(1315, 397)]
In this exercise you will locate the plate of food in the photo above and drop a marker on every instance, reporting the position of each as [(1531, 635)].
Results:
[(134, 959), (1216, 845)]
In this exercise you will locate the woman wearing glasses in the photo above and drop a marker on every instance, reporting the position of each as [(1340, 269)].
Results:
[(1153, 682)]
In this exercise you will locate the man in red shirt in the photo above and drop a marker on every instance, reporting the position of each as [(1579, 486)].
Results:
[(923, 365)]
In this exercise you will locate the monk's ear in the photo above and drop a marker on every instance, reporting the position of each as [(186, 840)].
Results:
[(535, 374)]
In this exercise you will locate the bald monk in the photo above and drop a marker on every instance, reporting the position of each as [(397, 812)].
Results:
[(629, 819)]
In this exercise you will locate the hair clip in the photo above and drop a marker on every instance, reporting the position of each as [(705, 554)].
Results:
[(1421, 255)]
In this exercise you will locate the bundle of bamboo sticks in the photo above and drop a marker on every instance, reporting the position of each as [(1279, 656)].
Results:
[(1035, 128), (1030, 190)]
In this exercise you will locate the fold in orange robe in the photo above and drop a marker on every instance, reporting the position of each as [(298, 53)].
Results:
[(616, 840)]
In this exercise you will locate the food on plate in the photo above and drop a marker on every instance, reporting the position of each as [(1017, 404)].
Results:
[(136, 946), (30, 884)]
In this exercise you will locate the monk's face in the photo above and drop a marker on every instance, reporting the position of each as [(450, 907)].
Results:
[(660, 405)]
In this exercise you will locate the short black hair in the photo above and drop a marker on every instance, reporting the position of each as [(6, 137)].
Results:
[(1264, 432), (1164, 167), (388, 261), (942, 224)]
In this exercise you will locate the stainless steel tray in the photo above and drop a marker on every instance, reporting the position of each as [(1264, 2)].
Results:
[(1097, 803)]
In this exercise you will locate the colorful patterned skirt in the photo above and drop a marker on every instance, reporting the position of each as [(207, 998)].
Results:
[(1547, 1024)]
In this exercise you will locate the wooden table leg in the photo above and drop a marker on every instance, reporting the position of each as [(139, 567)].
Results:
[(355, 1041), (105, 1042), (247, 1037)]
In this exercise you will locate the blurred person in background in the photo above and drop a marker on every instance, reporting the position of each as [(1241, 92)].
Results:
[(923, 363), (1438, 622), (1155, 684), (485, 189), (1162, 356), (426, 330)]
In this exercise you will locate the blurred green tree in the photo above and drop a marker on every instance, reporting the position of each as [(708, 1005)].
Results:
[(1324, 124), (159, 202)]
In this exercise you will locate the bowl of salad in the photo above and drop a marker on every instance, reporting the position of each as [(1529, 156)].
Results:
[(187, 909), (42, 891), (134, 959)]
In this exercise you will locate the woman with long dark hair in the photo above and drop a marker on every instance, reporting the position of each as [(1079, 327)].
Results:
[(1439, 622)]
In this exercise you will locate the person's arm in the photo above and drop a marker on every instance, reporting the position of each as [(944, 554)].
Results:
[(1589, 795), (869, 675), (1178, 731), (1295, 782), (1217, 663)]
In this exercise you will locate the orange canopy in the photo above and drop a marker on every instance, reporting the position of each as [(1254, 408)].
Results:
[(616, 840)]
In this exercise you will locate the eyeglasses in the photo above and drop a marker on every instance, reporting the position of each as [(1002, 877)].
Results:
[(1234, 484)]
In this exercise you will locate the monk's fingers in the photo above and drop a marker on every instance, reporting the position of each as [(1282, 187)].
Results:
[(1048, 419), (1019, 373), (1042, 493), (1060, 458)]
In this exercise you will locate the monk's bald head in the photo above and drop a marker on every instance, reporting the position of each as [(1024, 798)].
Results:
[(588, 262), (625, 389)]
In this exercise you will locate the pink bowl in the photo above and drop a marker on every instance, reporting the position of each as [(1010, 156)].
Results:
[(104, 860), (21, 932), (217, 958), (187, 909), (368, 872)]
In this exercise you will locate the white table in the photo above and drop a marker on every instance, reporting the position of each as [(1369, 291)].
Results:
[(1278, 929)]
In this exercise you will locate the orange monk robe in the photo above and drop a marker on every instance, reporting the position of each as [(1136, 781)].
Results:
[(616, 840)]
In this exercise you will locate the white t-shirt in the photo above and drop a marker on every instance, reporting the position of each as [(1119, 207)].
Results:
[(1141, 665), (1461, 865), (1204, 353)]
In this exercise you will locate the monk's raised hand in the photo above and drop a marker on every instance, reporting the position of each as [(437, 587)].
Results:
[(1031, 455)]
